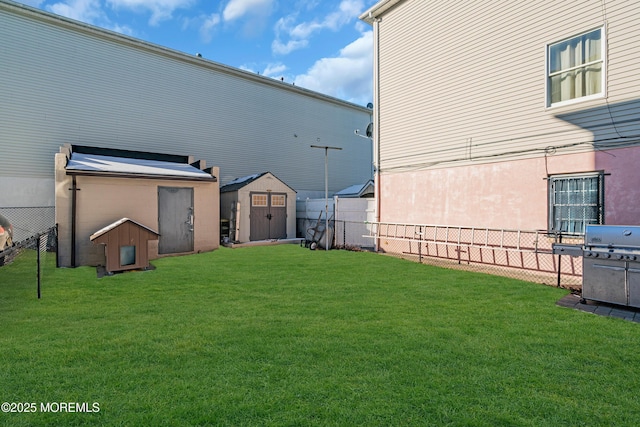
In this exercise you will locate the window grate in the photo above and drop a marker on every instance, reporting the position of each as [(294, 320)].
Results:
[(575, 202)]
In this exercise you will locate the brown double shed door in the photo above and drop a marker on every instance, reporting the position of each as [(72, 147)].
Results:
[(268, 216)]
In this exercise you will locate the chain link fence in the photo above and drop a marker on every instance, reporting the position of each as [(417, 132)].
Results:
[(353, 235), (29, 221), (35, 246), (520, 254)]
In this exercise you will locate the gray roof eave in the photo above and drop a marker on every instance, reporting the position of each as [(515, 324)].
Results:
[(140, 175)]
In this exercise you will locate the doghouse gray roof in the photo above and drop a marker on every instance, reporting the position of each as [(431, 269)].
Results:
[(88, 164), (116, 224)]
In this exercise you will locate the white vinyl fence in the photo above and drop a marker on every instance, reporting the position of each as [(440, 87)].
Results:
[(349, 217)]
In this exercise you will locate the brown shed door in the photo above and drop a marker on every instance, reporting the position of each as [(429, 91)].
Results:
[(268, 216), (278, 212), (175, 220)]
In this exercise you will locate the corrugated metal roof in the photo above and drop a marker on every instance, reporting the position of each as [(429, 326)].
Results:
[(93, 163)]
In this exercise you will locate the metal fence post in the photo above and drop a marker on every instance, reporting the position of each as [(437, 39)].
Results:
[(420, 244), (38, 262), (344, 233)]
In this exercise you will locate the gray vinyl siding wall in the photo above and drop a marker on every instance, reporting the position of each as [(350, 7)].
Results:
[(464, 82), (66, 82)]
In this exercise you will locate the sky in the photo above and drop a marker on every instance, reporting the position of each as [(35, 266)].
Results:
[(315, 44)]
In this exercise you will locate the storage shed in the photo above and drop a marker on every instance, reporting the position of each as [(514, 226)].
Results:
[(258, 207), (126, 245), (168, 193)]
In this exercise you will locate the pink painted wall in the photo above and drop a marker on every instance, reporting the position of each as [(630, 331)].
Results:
[(622, 187), (510, 195)]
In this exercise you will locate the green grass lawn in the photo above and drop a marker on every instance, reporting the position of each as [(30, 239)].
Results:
[(282, 335)]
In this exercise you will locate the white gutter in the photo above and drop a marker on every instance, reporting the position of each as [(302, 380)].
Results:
[(374, 12)]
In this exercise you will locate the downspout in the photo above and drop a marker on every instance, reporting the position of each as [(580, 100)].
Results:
[(376, 124), (74, 202)]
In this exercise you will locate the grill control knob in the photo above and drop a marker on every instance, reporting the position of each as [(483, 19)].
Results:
[(631, 257), (596, 255), (619, 256), (606, 255)]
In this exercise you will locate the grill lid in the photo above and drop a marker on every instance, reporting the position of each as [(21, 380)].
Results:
[(613, 236)]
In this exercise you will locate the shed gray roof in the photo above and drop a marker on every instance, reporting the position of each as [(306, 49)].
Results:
[(94, 164), (239, 183), (355, 190)]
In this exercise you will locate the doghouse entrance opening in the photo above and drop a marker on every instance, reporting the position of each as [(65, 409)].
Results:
[(127, 255)]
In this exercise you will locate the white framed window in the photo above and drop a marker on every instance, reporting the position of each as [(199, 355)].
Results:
[(259, 200), (575, 201), (576, 68), (278, 200)]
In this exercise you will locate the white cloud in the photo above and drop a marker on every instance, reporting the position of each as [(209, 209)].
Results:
[(348, 10), (361, 27), (88, 11), (304, 30), (33, 3), (208, 25), (280, 48), (274, 70), (238, 8), (347, 76), (122, 29), (161, 10), (297, 36), (248, 68)]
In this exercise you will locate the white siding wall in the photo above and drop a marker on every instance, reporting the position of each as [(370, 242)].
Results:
[(471, 83), (64, 82), (465, 134)]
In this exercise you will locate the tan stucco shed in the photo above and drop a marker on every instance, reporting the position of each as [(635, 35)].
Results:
[(169, 194), (258, 207)]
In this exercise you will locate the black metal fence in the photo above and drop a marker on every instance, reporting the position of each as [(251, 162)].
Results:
[(35, 255)]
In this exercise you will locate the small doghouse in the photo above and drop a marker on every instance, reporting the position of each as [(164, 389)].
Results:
[(126, 245)]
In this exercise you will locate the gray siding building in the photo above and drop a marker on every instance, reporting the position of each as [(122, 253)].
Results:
[(65, 82)]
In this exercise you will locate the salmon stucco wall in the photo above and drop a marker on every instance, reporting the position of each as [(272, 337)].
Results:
[(510, 195)]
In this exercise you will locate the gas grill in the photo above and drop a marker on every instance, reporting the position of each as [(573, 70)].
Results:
[(611, 264)]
